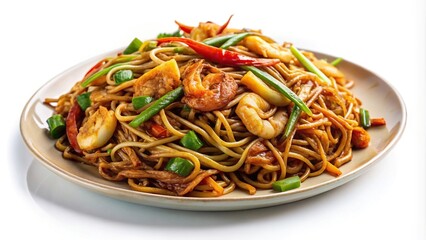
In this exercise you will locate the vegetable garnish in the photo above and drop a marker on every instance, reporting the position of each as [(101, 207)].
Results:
[(156, 107), (180, 166), (259, 87), (221, 56), (140, 101), (184, 28), (336, 61), (56, 125), (173, 34), (158, 130), (333, 170), (292, 121), (286, 184), (75, 114), (377, 122), (133, 46), (280, 87), (364, 116), (191, 141), (98, 74), (295, 113), (84, 100), (234, 40), (123, 76), (218, 40), (309, 65)]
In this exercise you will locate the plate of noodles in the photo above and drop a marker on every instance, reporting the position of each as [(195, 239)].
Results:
[(211, 118)]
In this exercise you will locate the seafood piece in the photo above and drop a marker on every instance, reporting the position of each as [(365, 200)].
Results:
[(360, 138), (97, 130), (253, 111), (206, 87), (159, 80), (268, 50)]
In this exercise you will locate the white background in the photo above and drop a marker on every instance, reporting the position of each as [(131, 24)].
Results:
[(40, 39)]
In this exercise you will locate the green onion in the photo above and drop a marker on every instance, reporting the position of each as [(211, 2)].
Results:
[(336, 61), (286, 184), (123, 76), (156, 107), (280, 87), (84, 100), (191, 141), (291, 122), (174, 34), (218, 41), (234, 40), (109, 150), (140, 101), (364, 116), (133, 46), (56, 125), (309, 65), (98, 74), (181, 166), (295, 113)]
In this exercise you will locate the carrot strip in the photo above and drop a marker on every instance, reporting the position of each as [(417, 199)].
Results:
[(333, 170)]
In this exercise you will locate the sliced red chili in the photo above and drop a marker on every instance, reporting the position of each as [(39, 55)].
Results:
[(158, 131), (224, 26), (184, 28), (95, 68), (74, 116), (221, 56)]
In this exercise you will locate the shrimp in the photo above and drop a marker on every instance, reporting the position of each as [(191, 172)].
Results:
[(159, 80), (97, 130), (252, 110), (268, 50), (206, 87), (360, 138)]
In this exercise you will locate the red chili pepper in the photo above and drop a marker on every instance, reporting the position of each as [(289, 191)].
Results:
[(183, 27), (158, 131), (223, 27), (188, 29), (75, 114), (95, 67), (221, 56)]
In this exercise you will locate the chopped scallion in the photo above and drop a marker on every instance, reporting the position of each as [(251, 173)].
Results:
[(286, 184), (56, 125), (181, 166)]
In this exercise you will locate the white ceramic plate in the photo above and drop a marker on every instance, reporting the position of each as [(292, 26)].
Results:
[(377, 95)]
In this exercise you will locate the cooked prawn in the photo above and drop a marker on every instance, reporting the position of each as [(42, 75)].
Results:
[(206, 87), (252, 110), (269, 50), (360, 138), (97, 130), (159, 80)]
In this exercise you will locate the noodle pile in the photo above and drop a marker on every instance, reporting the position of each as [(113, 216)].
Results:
[(235, 152)]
